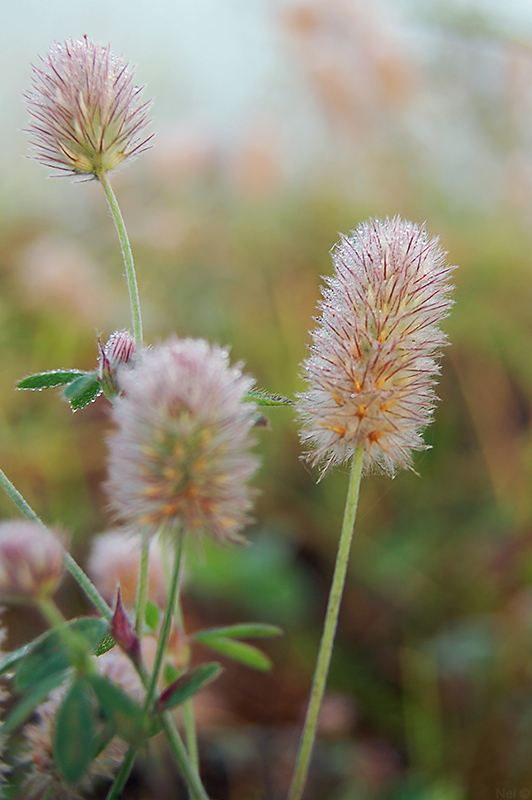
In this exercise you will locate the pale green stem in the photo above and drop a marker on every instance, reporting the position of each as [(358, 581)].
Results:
[(167, 621), (72, 566), (182, 758), (142, 589), (308, 735), (123, 774), (127, 255), (190, 732), (188, 705)]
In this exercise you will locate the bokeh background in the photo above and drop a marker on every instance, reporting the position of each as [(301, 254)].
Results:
[(279, 124)]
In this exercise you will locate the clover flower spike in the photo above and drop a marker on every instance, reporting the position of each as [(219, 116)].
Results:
[(179, 458), (372, 367), (87, 115), (31, 561)]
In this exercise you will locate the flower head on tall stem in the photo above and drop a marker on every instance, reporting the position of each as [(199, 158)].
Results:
[(87, 116), (372, 366), (179, 458)]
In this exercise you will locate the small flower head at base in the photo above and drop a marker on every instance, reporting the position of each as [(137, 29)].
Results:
[(87, 116), (31, 561), (118, 352), (372, 367), (180, 457)]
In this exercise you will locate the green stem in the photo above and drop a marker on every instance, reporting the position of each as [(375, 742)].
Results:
[(142, 589), (14, 495), (167, 621), (188, 707), (308, 735), (190, 732), (127, 255), (72, 566), (180, 754), (121, 779)]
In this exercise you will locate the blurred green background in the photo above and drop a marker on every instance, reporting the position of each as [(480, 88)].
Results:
[(279, 124)]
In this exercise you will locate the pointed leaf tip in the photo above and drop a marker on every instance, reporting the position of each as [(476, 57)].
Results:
[(188, 685)]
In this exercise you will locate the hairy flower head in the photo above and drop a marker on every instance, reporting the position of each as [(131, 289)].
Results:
[(31, 561), (179, 458), (372, 366), (87, 115)]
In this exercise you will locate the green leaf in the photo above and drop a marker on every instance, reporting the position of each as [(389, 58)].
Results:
[(170, 673), (12, 659), (83, 390), (240, 631), (27, 705), (239, 651), (262, 398), (51, 379), (49, 654), (124, 713), (74, 732), (188, 685), (106, 644), (152, 616)]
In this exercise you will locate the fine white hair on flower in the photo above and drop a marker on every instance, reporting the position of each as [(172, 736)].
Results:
[(87, 116), (371, 373), (179, 459)]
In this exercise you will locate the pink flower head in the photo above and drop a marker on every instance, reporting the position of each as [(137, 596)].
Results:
[(87, 114), (31, 561), (372, 366), (179, 458)]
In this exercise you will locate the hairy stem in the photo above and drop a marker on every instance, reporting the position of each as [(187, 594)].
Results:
[(321, 672), (127, 255), (142, 589), (167, 621), (188, 707), (123, 774)]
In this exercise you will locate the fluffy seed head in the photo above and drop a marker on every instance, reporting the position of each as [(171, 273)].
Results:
[(86, 114), (179, 458), (372, 366), (31, 561)]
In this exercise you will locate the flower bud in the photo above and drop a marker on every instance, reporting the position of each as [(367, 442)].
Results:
[(31, 561), (118, 351)]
